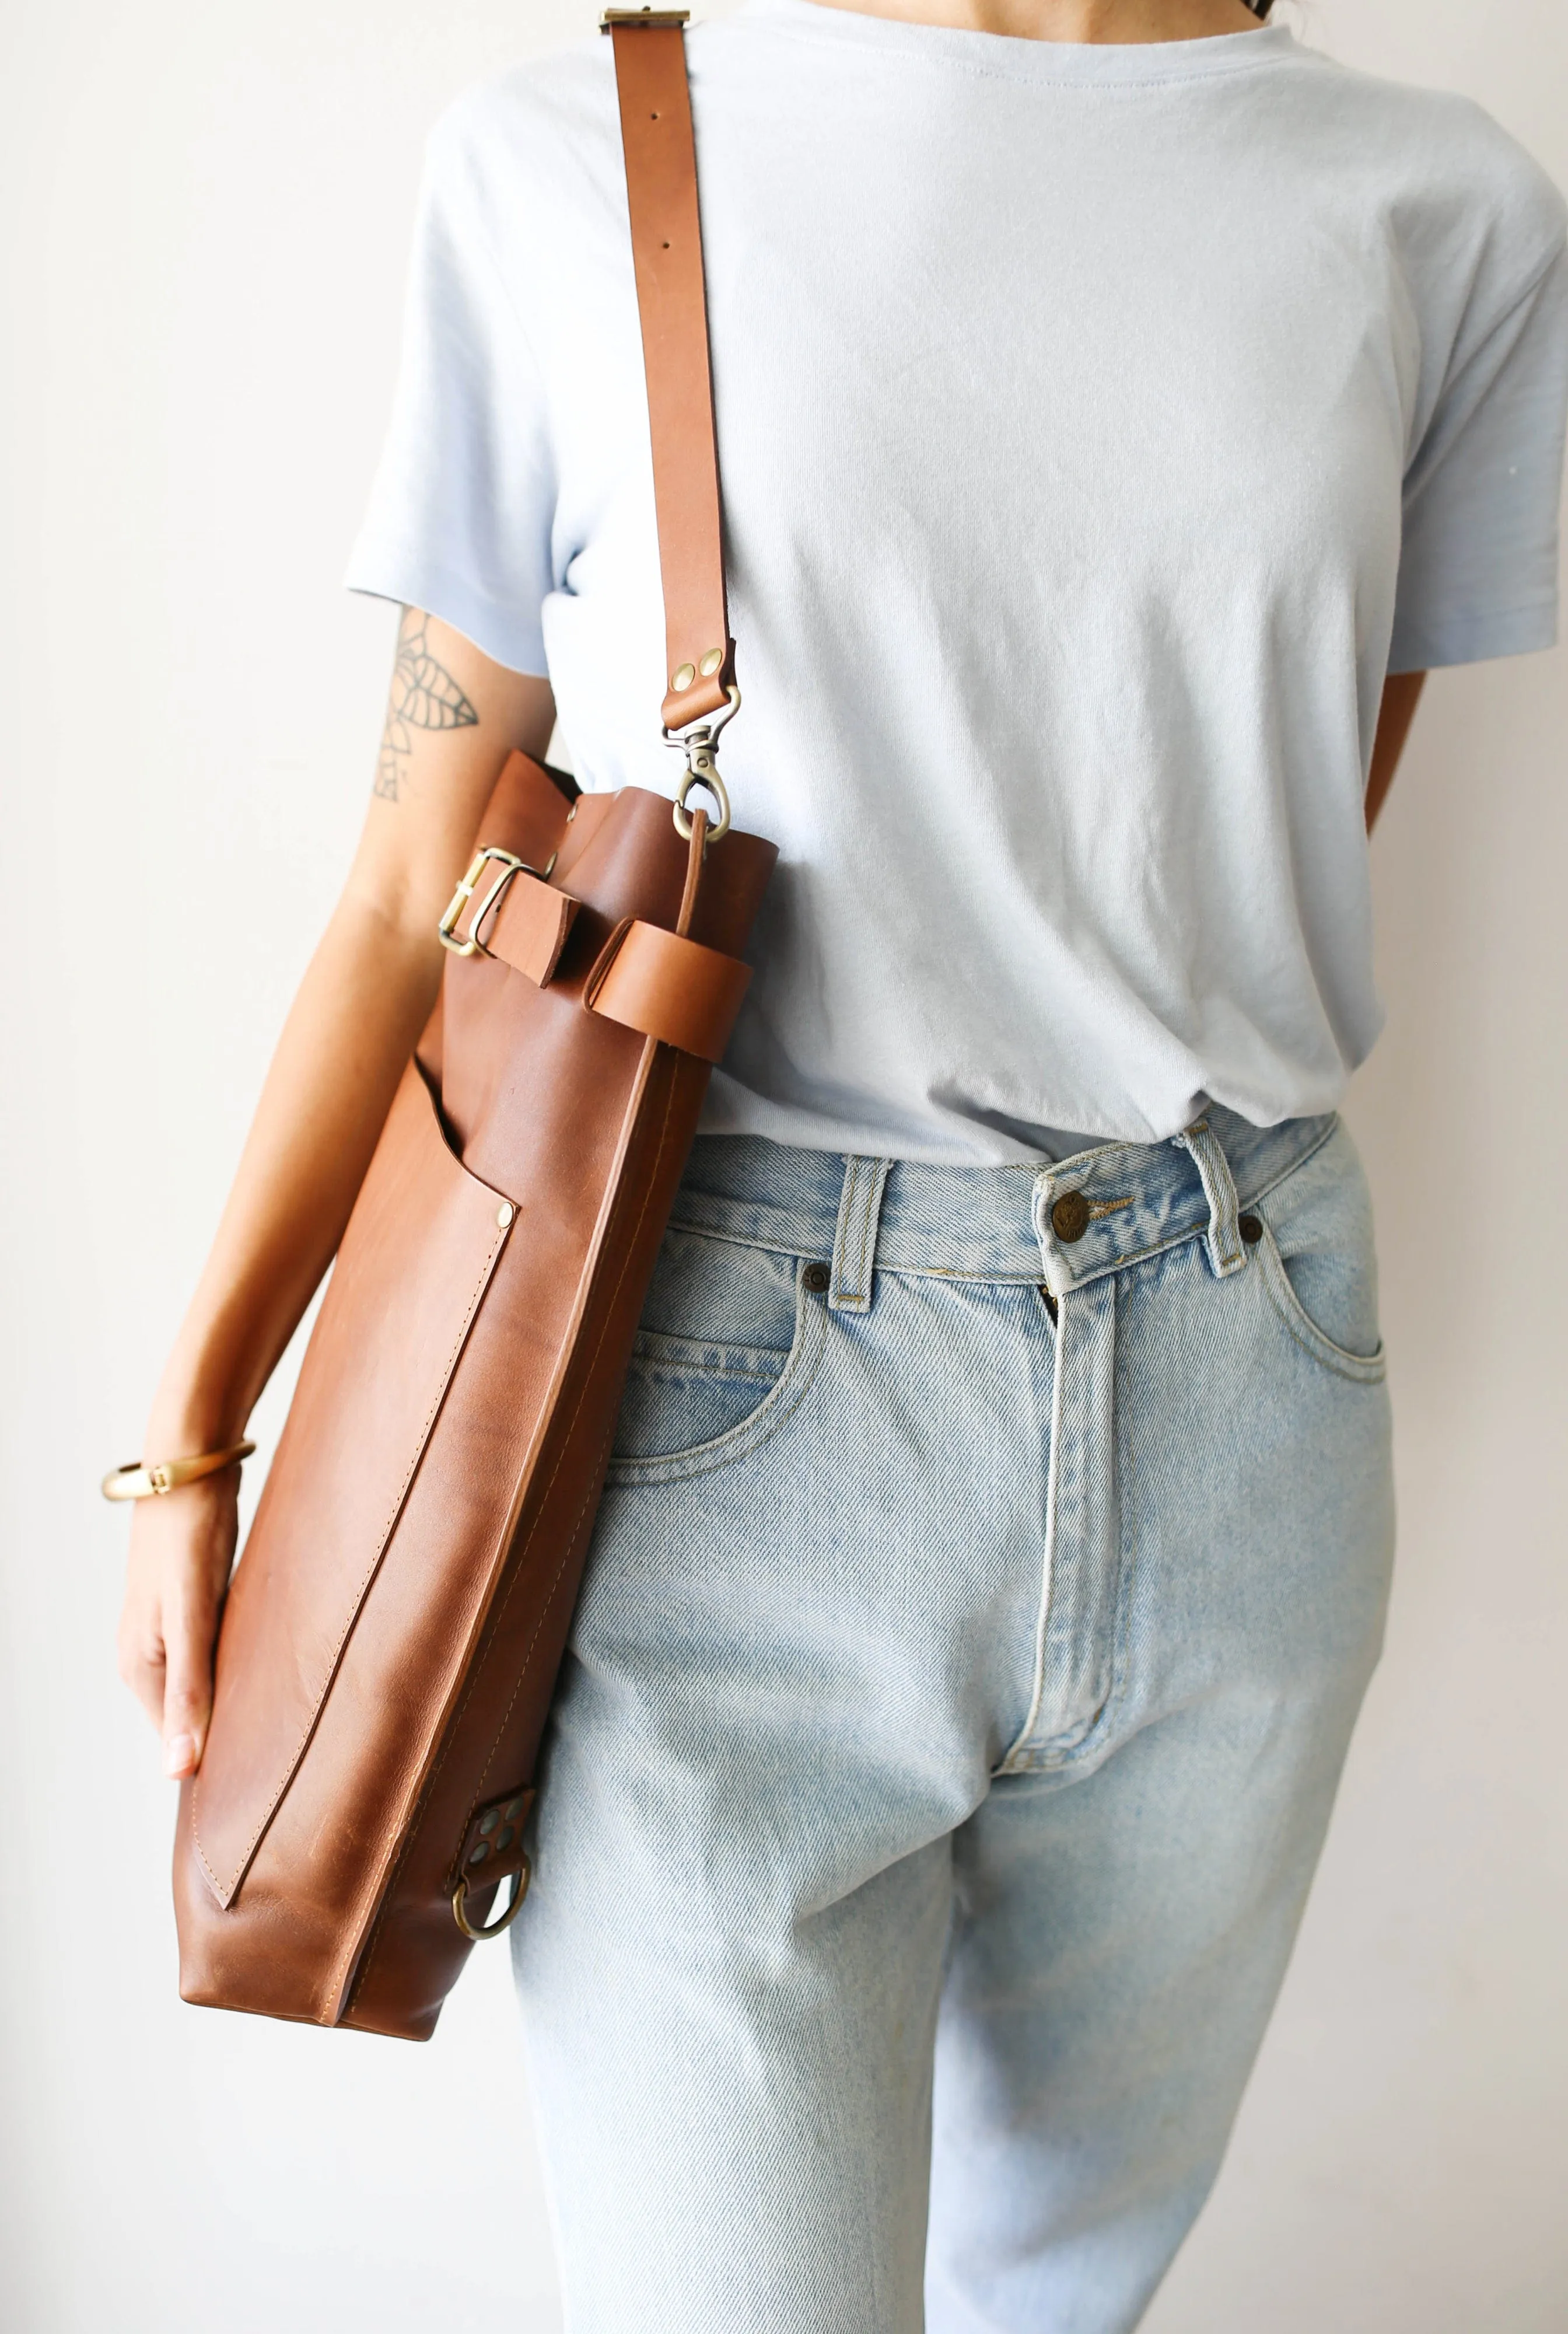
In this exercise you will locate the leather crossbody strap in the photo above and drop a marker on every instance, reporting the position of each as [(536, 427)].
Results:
[(667, 256)]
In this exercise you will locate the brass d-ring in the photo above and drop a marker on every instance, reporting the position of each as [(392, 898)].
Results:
[(519, 1890)]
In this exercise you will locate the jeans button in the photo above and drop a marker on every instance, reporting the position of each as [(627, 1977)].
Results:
[(818, 1279), (1070, 1217), (1251, 1229)]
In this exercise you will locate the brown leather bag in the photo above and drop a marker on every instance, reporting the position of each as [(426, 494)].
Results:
[(391, 1638)]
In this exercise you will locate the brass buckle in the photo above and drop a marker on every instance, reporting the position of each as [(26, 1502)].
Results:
[(650, 17), (510, 865)]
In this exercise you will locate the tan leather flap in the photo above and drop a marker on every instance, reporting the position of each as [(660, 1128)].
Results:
[(528, 930), (413, 1268), (668, 987)]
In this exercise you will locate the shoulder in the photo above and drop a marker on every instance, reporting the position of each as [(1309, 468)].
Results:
[(1450, 175), (548, 125)]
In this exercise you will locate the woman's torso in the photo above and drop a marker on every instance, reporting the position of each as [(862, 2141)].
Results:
[(1066, 399)]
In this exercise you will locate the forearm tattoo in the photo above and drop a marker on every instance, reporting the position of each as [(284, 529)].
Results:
[(424, 695)]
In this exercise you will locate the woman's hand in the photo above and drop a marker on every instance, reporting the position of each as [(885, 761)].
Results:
[(182, 1549), (453, 716)]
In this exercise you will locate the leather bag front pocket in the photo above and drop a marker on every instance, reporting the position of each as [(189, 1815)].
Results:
[(376, 1373)]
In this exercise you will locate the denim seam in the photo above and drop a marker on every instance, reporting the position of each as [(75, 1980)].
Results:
[(685, 1359), (1087, 1745), (1200, 1232), (870, 1224), (858, 1219), (1360, 1369), (745, 1240), (1024, 1276), (1048, 1562), (1253, 1199), (1059, 1754), (788, 1391)]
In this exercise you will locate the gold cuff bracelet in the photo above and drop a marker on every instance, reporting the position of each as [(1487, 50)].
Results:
[(136, 1482)]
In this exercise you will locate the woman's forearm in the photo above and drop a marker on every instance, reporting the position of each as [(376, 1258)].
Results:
[(356, 1018), (453, 716), (365, 998)]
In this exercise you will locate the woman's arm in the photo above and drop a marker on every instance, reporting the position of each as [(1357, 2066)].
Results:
[(452, 719), (1401, 695)]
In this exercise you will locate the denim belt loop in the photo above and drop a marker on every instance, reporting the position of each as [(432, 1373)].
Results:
[(855, 1239), (1223, 1238)]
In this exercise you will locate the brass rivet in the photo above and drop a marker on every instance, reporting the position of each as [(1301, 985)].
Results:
[(710, 663), (504, 1214), (683, 676), (1070, 1217), (1251, 1229)]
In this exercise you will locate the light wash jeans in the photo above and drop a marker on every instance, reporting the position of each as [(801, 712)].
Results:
[(973, 1630)]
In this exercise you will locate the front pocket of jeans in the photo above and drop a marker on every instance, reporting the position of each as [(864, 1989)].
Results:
[(691, 1405), (1366, 1369)]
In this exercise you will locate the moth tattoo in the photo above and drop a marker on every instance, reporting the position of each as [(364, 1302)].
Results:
[(424, 695)]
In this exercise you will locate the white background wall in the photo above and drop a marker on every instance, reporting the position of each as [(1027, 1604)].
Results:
[(204, 211)]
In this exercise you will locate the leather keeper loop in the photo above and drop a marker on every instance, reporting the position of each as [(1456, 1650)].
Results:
[(529, 928), (672, 988)]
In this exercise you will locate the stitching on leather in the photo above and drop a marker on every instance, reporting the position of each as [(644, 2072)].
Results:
[(590, 1495), (603, 964), (496, 1244), (367, 1951), (391, 1878)]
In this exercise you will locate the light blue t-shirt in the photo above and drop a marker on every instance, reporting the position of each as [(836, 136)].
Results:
[(1098, 425)]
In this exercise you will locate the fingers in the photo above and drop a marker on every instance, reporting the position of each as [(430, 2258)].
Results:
[(188, 1634), (141, 1653), (181, 1548)]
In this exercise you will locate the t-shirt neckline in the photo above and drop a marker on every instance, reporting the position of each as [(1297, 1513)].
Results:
[(1093, 63)]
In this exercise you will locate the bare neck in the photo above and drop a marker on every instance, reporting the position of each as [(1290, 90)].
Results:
[(1087, 21)]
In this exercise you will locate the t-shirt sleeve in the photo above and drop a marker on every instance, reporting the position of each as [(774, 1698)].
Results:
[(461, 513), (1478, 567)]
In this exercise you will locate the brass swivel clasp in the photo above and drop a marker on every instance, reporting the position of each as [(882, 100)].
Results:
[(699, 745)]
